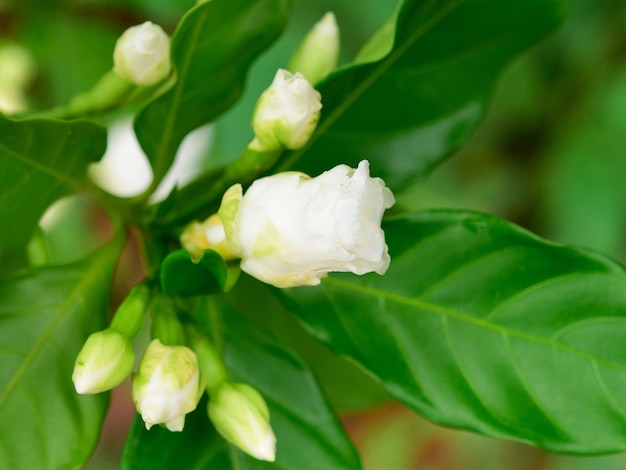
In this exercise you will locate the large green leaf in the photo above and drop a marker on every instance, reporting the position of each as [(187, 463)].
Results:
[(480, 325), (423, 86), (45, 316), (309, 435), (40, 162), (212, 49)]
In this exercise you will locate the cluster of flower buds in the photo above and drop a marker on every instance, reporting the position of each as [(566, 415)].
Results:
[(172, 377)]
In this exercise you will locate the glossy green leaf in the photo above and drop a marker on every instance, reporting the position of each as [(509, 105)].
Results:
[(480, 325), (212, 49), (197, 447), (309, 435), (40, 162), (183, 277), (45, 316), (422, 86)]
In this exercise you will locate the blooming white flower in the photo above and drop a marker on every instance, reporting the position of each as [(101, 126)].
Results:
[(318, 53), (286, 113), (142, 54), (291, 230), (239, 413), (166, 387), (104, 362)]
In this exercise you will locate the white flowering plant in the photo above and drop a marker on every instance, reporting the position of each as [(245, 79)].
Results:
[(283, 262)]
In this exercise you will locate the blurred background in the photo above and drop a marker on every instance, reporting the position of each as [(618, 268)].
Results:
[(550, 156)]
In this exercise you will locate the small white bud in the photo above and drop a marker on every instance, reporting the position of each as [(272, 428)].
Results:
[(318, 53), (166, 387), (286, 114), (291, 230), (104, 362), (142, 54), (239, 413), (200, 236)]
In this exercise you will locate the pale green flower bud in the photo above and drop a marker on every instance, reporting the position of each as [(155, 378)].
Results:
[(239, 413), (142, 54), (166, 386), (286, 114), (200, 236), (318, 54), (104, 362), (291, 230)]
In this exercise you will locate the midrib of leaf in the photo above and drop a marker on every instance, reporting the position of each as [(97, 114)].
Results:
[(172, 116), (384, 65), (42, 168), (64, 310), (417, 303), (183, 73)]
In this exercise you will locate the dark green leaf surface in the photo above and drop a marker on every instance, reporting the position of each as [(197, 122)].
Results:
[(182, 277), (197, 447), (407, 108), (40, 162), (309, 436), (212, 49), (45, 316), (483, 326)]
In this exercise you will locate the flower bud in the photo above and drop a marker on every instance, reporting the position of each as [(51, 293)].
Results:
[(142, 54), (286, 113), (200, 236), (104, 362), (291, 230), (318, 53), (239, 413), (166, 387)]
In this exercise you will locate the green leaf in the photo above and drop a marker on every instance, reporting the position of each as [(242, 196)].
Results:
[(309, 435), (412, 107), (212, 49), (40, 162), (480, 325), (45, 316), (197, 447), (182, 277)]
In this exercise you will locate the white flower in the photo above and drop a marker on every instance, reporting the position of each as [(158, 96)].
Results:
[(286, 113), (239, 413), (166, 387), (142, 54), (104, 362), (318, 54), (291, 230)]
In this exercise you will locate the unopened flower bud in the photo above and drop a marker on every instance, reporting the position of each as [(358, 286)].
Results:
[(286, 114), (318, 53), (291, 230), (142, 54), (166, 386), (208, 235), (239, 413), (104, 362)]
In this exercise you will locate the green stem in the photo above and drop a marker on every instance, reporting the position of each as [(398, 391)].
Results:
[(166, 326), (130, 315), (209, 361)]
